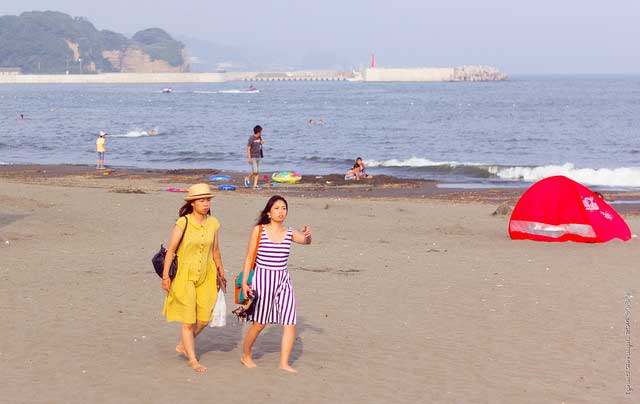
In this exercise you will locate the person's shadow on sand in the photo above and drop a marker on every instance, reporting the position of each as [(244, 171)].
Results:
[(227, 338), (222, 339)]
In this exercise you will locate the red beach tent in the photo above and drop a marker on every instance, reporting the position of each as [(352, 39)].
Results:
[(560, 209)]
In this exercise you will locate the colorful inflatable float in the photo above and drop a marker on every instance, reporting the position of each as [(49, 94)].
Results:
[(286, 177)]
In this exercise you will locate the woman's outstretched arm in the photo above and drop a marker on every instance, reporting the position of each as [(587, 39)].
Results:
[(303, 236)]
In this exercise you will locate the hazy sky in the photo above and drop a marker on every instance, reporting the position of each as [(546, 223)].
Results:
[(543, 36)]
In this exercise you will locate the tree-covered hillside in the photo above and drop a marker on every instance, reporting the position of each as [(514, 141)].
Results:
[(54, 42), (159, 45)]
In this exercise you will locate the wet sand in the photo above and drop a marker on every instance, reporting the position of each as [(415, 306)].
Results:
[(409, 293)]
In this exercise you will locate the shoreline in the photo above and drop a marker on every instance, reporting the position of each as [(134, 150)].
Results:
[(140, 180)]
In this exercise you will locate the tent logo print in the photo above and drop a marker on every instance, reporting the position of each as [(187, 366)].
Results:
[(590, 204), (606, 215)]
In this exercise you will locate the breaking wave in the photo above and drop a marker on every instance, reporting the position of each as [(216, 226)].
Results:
[(139, 133), (609, 177), (612, 177), (239, 91), (416, 162), (436, 169), (236, 91)]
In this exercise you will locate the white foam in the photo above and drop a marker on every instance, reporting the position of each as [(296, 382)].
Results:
[(613, 177), (416, 162), (138, 133), (609, 177), (239, 91)]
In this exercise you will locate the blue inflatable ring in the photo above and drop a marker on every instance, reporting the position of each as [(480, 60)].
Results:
[(226, 187), (219, 178)]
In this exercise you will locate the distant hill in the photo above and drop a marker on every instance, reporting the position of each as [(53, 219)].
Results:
[(54, 42)]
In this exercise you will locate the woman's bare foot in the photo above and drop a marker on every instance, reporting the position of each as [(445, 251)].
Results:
[(248, 362), (197, 366), (180, 349), (288, 369)]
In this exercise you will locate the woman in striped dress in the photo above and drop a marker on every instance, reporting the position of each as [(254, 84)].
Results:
[(275, 302)]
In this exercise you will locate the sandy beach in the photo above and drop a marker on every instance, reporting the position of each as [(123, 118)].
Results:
[(408, 294)]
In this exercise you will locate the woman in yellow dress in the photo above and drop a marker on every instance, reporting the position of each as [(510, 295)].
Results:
[(192, 294)]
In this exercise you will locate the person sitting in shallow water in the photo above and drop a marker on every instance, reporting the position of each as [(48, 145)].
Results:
[(350, 175), (358, 171)]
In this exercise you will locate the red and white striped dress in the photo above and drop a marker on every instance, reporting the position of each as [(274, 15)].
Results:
[(276, 303)]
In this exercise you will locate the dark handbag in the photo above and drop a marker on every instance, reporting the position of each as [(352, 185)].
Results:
[(158, 258), (246, 309)]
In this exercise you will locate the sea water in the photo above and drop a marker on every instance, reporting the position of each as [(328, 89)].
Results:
[(520, 130)]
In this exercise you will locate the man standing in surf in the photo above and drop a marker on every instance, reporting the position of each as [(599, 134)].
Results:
[(100, 150), (254, 156)]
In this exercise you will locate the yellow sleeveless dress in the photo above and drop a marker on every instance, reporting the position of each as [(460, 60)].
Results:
[(194, 290)]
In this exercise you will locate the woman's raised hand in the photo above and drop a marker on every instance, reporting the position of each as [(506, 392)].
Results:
[(306, 230)]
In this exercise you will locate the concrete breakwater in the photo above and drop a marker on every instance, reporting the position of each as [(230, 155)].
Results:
[(433, 74), (427, 74), (299, 75)]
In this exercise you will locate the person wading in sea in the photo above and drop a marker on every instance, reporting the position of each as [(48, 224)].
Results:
[(101, 150)]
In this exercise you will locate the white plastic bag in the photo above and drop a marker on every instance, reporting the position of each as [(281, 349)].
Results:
[(219, 313)]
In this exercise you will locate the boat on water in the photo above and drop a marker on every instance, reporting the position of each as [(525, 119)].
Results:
[(167, 90)]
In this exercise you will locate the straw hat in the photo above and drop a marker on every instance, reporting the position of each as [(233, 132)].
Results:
[(198, 191)]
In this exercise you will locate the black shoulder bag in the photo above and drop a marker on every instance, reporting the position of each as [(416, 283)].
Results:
[(158, 258)]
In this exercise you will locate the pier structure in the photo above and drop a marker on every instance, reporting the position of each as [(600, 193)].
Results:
[(371, 74), (433, 74), (299, 75)]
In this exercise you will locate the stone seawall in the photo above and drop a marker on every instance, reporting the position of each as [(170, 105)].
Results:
[(426, 74), (433, 74)]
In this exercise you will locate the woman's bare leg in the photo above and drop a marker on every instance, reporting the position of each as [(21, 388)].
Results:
[(196, 330), (188, 342), (288, 338), (249, 339)]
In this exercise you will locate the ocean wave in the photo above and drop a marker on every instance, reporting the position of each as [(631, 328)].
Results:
[(139, 133), (234, 91), (608, 177), (239, 91), (331, 160), (416, 162), (436, 168), (611, 177)]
